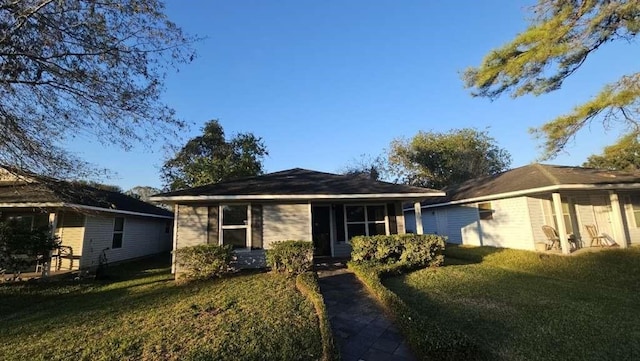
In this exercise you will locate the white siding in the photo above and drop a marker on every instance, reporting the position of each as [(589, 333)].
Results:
[(71, 230), (141, 237), (410, 222), (462, 224), (510, 226), (282, 222)]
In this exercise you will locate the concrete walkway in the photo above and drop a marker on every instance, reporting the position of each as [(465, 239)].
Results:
[(360, 328)]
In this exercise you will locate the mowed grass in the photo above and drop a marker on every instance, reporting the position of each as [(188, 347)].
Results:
[(518, 305), (142, 314)]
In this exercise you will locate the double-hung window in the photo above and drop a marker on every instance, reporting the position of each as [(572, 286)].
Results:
[(367, 220), (118, 232), (234, 225), (23, 222), (635, 207)]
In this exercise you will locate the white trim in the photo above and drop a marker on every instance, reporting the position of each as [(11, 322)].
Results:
[(366, 221), (535, 190), (175, 238), (298, 197), (247, 227)]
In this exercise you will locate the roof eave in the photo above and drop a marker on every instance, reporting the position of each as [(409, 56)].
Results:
[(297, 197), (561, 187), (80, 206)]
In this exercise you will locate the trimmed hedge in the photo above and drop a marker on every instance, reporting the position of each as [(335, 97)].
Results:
[(410, 250), (429, 341), (293, 257), (307, 284), (204, 261)]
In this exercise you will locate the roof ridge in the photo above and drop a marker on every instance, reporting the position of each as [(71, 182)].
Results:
[(542, 168)]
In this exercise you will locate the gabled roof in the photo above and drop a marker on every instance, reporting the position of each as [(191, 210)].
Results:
[(298, 184), (535, 178), (47, 192)]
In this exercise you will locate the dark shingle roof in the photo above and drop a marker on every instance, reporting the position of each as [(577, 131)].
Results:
[(75, 194), (299, 182), (531, 177)]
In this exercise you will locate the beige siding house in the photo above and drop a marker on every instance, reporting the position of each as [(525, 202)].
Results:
[(252, 213), (510, 209), (88, 220)]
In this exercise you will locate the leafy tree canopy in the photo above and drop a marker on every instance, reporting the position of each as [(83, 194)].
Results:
[(437, 160), (85, 68), (210, 158), (366, 165), (562, 34), (624, 155)]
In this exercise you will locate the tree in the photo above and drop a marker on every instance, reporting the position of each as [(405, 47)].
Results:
[(624, 155), (561, 36), (436, 160), (210, 158), (375, 168), (83, 68), (18, 240), (142, 192)]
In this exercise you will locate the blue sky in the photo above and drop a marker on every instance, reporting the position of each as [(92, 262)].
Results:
[(323, 82)]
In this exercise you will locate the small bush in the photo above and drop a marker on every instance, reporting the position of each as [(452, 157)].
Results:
[(294, 257), (204, 261), (411, 250)]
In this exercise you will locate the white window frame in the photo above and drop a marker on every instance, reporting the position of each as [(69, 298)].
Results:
[(633, 208), (222, 227), (114, 232), (366, 221)]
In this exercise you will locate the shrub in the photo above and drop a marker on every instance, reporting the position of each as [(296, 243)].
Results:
[(290, 256), (204, 261), (18, 242), (411, 250)]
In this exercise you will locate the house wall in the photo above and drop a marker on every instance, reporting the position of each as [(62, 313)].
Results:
[(632, 229), (141, 236), (510, 226), (71, 230), (282, 222)]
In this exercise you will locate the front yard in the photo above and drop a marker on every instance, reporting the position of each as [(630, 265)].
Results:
[(143, 314), (517, 305)]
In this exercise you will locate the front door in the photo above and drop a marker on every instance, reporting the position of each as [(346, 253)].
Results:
[(321, 230)]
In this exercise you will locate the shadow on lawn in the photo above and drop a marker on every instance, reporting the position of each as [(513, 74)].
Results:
[(523, 305)]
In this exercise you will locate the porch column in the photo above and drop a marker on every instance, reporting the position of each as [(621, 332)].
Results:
[(617, 224), (53, 222), (418, 211), (175, 238), (562, 228), (53, 225)]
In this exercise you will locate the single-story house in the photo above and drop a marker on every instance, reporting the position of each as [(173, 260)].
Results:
[(252, 213), (87, 220), (510, 208)]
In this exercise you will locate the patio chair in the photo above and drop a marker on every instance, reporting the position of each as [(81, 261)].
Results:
[(595, 236), (553, 240)]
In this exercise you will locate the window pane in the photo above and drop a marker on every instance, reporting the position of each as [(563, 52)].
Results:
[(355, 214), (376, 229), (636, 214), (356, 230), (118, 224), (117, 240), (234, 215), (235, 237), (375, 213)]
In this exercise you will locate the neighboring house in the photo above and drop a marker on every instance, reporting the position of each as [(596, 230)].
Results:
[(509, 209), (252, 213), (88, 220)]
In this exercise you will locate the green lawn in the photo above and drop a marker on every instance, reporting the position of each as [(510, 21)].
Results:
[(518, 305), (143, 314)]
